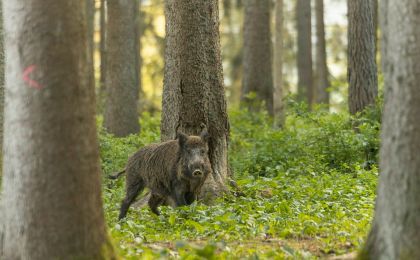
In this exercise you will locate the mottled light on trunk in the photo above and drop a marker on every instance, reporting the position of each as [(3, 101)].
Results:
[(362, 72), (395, 232), (51, 186), (193, 93), (121, 79), (257, 61)]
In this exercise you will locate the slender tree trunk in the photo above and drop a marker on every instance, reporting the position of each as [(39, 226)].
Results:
[(395, 233), (258, 74), (322, 82), (51, 187), (193, 93), (304, 52), (362, 72), (121, 115), (278, 104), (102, 18), (90, 9)]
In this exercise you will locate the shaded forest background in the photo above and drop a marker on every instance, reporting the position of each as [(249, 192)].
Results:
[(152, 46)]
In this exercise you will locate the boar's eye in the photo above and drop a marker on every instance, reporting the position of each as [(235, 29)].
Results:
[(202, 151)]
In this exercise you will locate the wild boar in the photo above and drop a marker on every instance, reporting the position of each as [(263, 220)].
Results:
[(174, 171)]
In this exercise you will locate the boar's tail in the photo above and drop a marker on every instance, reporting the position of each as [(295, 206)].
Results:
[(116, 175)]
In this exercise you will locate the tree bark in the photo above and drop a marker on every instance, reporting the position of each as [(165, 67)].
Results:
[(51, 187), (322, 82), (121, 115), (396, 223), (193, 92), (257, 61), (362, 72), (304, 52), (278, 104), (375, 8)]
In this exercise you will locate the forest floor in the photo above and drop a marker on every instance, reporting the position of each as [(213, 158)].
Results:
[(309, 192)]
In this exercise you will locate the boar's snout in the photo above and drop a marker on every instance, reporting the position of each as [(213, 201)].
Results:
[(198, 173)]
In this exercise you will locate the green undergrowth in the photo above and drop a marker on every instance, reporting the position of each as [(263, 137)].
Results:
[(309, 191)]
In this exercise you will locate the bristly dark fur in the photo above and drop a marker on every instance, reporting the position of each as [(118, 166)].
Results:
[(167, 169)]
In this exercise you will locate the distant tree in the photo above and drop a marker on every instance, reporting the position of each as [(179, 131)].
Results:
[(278, 104), (102, 49), (362, 71), (193, 92), (322, 82), (257, 61), (51, 187), (304, 51), (395, 230), (121, 79)]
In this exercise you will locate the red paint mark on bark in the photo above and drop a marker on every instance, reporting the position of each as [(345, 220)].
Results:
[(32, 83)]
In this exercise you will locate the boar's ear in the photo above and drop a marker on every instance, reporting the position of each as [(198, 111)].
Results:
[(205, 136), (182, 138)]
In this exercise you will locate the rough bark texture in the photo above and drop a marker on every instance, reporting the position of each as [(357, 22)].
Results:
[(257, 61), (278, 104), (362, 72), (322, 83), (375, 8), (395, 233), (122, 83), (193, 93), (51, 185), (102, 20), (304, 52)]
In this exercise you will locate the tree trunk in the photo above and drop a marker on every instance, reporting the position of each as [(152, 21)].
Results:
[(193, 92), (304, 52), (322, 82), (102, 47), (1, 88), (121, 116), (257, 61), (278, 104), (362, 73), (395, 233), (51, 187)]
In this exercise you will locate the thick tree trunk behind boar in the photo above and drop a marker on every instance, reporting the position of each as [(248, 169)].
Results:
[(51, 189), (193, 94)]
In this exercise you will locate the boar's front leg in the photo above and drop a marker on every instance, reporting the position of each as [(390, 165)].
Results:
[(154, 202), (190, 197), (180, 197)]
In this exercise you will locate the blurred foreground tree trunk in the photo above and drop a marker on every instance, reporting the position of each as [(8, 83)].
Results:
[(1, 88), (278, 103), (362, 72), (304, 52), (121, 78), (51, 187), (257, 61), (193, 93), (322, 83), (395, 230)]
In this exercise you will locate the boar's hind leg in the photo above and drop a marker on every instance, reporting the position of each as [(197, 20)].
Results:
[(154, 202), (132, 191)]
